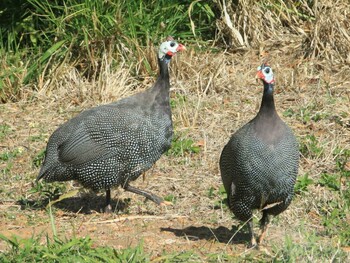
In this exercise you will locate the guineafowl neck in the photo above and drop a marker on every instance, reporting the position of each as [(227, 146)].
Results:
[(267, 103), (163, 69), (161, 88)]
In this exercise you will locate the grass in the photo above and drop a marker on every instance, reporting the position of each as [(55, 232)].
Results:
[(315, 227), (181, 146), (70, 250), (55, 73), (82, 33)]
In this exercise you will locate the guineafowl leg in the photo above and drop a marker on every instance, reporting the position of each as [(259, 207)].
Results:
[(108, 207), (251, 232), (263, 226), (158, 200)]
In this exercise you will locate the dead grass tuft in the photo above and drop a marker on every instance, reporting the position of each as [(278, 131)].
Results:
[(328, 37), (316, 29)]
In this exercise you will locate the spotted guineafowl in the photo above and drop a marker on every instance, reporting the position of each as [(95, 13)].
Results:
[(113, 144), (259, 164)]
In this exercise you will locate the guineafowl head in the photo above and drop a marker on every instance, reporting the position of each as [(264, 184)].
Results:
[(265, 74), (169, 48)]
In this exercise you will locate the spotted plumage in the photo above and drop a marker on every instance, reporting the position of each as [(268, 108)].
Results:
[(259, 164), (113, 144)]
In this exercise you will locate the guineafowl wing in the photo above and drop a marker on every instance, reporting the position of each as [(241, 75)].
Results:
[(111, 130), (80, 148)]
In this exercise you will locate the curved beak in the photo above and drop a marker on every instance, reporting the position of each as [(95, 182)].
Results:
[(180, 48)]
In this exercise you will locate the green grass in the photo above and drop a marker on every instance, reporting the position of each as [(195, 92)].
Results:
[(68, 250), (182, 146), (302, 183), (39, 158), (311, 147), (4, 131), (41, 36), (312, 251)]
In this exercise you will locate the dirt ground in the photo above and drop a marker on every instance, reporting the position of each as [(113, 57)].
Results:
[(221, 94)]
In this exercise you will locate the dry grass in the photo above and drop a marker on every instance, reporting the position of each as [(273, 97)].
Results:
[(315, 29), (221, 95)]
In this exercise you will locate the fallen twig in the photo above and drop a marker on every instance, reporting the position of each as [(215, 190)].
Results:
[(134, 218)]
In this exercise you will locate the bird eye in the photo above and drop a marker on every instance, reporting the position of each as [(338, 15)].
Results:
[(267, 70), (172, 44)]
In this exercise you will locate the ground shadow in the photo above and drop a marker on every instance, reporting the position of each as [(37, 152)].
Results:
[(89, 203), (84, 204), (221, 234)]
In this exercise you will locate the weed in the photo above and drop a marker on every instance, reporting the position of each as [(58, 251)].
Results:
[(211, 192), (312, 250), (46, 192), (49, 190), (186, 256), (37, 138), (330, 180), (320, 116), (7, 169), (179, 100), (7, 158), (219, 195), (335, 223), (69, 250), (182, 146), (310, 147), (302, 183), (342, 157), (170, 198), (4, 131), (288, 113), (39, 158), (11, 154)]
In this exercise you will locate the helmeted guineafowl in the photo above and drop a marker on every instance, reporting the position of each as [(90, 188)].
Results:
[(259, 164), (113, 144)]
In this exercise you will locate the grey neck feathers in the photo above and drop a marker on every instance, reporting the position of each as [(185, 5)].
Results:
[(163, 67), (267, 103), (268, 124), (162, 86)]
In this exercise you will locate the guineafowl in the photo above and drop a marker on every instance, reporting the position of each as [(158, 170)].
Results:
[(113, 144), (259, 164)]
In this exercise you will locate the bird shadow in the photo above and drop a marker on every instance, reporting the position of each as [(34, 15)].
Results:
[(220, 234), (84, 204), (89, 203)]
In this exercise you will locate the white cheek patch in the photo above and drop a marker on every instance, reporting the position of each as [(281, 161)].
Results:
[(162, 50), (269, 77)]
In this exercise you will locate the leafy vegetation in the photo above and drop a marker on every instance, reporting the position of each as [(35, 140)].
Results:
[(48, 34), (219, 195), (39, 158), (310, 147), (70, 250), (302, 183), (4, 131), (296, 252), (10, 154), (182, 146)]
